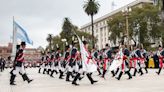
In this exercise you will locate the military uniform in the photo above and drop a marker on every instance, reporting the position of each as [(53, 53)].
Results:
[(71, 63), (19, 67), (125, 66), (160, 54)]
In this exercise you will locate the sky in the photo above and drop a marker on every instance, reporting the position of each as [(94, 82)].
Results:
[(41, 17)]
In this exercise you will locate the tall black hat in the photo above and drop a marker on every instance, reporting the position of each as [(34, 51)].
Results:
[(85, 42), (23, 43)]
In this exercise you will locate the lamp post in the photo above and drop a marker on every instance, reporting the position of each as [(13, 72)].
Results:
[(162, 10), (63, 40), (139, 34), (126, 14)]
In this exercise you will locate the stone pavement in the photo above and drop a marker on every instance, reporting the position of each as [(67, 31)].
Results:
[(43, 83)]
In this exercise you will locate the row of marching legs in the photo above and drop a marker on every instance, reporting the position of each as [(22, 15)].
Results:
[(68, 74), (119, 72), (19, 70)]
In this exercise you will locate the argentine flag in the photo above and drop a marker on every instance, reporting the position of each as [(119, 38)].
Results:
[(22, 34)]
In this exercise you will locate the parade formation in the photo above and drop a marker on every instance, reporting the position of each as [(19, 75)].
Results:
[(121, 44), (119, 61)]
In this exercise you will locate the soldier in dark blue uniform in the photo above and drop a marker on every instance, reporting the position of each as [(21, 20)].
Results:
[(144, 59), (95, 55), (46, 64), (107, 59), (19, 67), (57, 63), (41, 63), (160, 54), (124, 66), (89, 74), (137, 55), (71, 62)]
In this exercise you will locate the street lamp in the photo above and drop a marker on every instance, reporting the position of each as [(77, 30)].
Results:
[(63, 40), (139, 34), (126, 11)]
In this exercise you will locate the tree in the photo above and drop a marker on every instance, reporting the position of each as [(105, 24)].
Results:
[(49, 39), (68, 30), (91, 7), (116, 26), (143, 22)]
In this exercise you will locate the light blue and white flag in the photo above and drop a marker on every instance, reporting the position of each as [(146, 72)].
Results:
[(22, 34)]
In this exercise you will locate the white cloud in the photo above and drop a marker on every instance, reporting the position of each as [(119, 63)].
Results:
[(40, 17)]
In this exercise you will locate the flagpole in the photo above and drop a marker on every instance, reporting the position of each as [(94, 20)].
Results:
[(14, 41)]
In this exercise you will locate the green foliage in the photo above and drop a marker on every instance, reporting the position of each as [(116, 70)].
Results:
[(67, 30), (49, 40), (146, 17), (91, 7), (67, 33)]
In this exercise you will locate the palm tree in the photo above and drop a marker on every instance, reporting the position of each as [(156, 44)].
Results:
[(49, 39), (91, 7)]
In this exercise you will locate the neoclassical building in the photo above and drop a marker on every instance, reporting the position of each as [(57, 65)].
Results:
[(101, 30)]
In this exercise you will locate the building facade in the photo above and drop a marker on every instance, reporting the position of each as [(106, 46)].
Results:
[(101, 28), (31, 54), (5, 51)]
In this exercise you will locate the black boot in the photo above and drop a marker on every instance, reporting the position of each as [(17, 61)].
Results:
[(52, 72), (140, 70), (98, 71), (12, 78), (61, 75), (39, 70), (130, 69), (26, 78), (113, 74), (104, 72), (119, 76), (135, 71), (44, 71), (55, 71), (116, 71), (11, 72), (159, 71), (68, 75), (48, 72), (90, 78), (128, 73), (75, 79), (146, 70)]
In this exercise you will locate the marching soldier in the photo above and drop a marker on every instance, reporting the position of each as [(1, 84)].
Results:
[(57, 63), (143, 59), (124, 66), (160, 54), (72, 62), (41, 64), (19, 67), (137, 60), (89, 69), (95, 57), (51, 63), (46, 64)]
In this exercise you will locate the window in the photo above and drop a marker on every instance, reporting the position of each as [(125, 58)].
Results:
[(96, 30), (104, 23), (9, 51), (105, 28), (96, 25), (101, 29)]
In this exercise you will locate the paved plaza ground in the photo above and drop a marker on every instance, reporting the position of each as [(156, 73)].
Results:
[(150, 82)]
